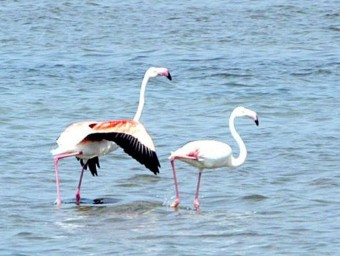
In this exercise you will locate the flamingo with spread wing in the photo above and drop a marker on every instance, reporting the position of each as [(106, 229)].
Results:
[(89, 140)]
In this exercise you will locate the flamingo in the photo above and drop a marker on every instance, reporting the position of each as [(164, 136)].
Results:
[(88, 140), (211, 154)]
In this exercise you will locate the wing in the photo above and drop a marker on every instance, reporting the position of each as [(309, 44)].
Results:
[(131, 136), (72, 136)]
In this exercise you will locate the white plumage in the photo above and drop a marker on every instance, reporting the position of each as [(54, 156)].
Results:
[(211, 154)]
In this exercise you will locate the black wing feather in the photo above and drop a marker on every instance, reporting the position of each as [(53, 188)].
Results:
[(132, 147)]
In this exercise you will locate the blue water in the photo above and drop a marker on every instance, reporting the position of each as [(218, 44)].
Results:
[(64, 61)]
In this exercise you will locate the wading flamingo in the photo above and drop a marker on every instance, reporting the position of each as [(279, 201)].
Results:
[(88, 140), (211, 154)]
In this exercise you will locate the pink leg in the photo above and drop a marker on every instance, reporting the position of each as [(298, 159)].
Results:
[(191, 155), (56, 160), (177, 200), (58, 201), (79, 184), (196, 201)]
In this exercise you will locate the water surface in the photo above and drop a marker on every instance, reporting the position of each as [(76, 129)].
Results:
[(63, 62)]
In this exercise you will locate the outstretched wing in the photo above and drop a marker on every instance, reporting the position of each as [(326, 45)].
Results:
[(132, 137)]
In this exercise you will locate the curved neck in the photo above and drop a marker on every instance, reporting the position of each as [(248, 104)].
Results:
[(141, 98), (242, 147)]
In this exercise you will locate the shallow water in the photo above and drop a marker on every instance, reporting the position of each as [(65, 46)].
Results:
[(65, 62)]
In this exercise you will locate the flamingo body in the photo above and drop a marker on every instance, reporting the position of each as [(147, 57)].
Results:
[(94, 139), (208, 154), (211, 154), (73, 140)]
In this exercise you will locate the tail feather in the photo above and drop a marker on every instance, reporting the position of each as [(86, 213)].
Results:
[(171, 157), (92, 163)]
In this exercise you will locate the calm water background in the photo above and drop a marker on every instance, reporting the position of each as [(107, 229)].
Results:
[(68, 61)]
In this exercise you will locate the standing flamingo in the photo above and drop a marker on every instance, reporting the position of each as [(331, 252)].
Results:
[(88, 140), (210, 154)]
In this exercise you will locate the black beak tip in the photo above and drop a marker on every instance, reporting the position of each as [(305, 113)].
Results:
[(257, 122), (169, 77)]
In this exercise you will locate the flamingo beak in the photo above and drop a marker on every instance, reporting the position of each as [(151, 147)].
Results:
[(257, 121), (169, 76)]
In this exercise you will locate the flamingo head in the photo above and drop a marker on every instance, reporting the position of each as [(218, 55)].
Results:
[(242, 111), (153, 72)]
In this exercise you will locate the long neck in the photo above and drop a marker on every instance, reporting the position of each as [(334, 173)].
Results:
[(243, 150), (141, 98)]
